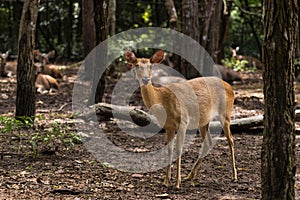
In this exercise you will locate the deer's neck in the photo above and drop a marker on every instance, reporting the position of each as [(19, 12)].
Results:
[(150, 95)]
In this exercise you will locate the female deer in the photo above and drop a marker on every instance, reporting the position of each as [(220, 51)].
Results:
[(182, 106)]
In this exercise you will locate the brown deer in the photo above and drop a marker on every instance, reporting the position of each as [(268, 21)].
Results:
[(186, 105), (45, 83), (227, 74), (44, 66), (7, 68), (3, 60), (251, 60)]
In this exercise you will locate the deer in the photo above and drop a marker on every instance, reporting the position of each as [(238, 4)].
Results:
[(45, 83), (227, 74), (7, 68), (251, 60), (192, 107), (42, 64), (3, 59)]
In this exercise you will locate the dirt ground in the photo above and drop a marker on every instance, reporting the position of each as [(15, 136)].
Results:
[(48, 160)]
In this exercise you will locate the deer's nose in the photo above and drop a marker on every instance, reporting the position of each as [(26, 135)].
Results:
[(145, 80)]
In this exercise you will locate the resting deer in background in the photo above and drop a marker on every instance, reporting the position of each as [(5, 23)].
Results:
[(181, 109), (7, 68), (251, 60), (43, 66), (45, 83), (3, 60)]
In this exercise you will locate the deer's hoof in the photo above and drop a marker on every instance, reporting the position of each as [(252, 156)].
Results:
[(190, 177), (166, 182)]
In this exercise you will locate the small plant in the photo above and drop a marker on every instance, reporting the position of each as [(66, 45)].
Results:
[(8, 124), (237, 65), (52, 137)]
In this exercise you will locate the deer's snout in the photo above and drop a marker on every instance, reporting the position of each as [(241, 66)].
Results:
[(145, 80)]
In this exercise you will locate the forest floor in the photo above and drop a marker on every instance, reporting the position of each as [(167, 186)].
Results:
[(49, 161)]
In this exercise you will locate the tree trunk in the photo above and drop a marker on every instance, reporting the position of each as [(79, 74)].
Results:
[(172, 14), (190, 27), (101, 27), (112, 17), (88, 36), (278, 150), (25, 101), (214, 27), (68, 29), (88, 27)]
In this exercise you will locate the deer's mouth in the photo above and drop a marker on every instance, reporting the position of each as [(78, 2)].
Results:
[(145, 80)]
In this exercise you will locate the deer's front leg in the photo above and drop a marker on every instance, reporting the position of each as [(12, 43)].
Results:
[(170, 142)]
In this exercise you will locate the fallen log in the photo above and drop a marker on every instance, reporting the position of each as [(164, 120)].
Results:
[(106, 112), (246, 123)]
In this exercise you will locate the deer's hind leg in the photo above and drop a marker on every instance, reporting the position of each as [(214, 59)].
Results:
[(206, 146), (228, 135)]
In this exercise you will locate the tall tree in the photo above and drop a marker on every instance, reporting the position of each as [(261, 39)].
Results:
[(278, 150), (112, 16), (214, 15), (88, 26), (190, 27), (25, 101), (101, 27), (172, 14)]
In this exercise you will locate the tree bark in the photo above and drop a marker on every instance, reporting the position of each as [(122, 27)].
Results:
[(88, 26), (112, 17), (214, 27), (101, 27), (190, 27), (172, 14), (278, 150), (25, 101)]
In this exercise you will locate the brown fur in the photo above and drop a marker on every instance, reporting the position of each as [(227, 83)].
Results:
[(188, 105), (45, 83), (51, 70)]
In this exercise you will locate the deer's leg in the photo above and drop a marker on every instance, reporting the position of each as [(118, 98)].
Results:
[(227, 132), (170, 142), (207, 144), (179, 146)]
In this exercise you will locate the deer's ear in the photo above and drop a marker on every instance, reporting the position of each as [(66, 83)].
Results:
[(51, 53), (157, 57), (130, 57), (36, 52)]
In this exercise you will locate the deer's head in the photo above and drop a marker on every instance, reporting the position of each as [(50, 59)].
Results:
[(143, 66)]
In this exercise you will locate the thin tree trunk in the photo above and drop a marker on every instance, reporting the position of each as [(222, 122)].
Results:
[(214, 27), (278, 150), (101, 27), (190, 27), (25, 101), (112, 17), (172, 14), (88, 26), (69, 29)]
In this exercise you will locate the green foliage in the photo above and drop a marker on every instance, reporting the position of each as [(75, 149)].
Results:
[(136, 43), (41, 139), (56, 135), (246, 28), (147, 15), (237, 65), (7, 124)]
